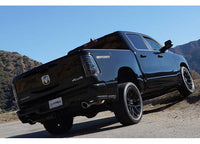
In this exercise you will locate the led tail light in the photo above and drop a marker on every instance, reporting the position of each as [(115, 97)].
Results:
[(89, 65)]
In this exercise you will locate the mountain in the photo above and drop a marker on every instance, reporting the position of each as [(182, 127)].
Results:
[(191, 51), (11, 65)]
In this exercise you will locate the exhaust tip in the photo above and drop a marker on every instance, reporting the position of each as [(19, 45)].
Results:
[(85, 105)]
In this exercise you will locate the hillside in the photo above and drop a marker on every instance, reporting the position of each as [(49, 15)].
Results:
[(11, 65), (191, 51)]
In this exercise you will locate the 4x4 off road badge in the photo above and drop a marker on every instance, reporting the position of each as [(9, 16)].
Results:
[(45, 79)]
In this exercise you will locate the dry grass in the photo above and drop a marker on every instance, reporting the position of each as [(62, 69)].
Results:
[(8, 117)]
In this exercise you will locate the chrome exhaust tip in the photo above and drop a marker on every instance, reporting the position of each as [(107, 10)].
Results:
[(85, 105)]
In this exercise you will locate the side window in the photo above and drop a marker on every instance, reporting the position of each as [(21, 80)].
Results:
[(137, 41), (153, 44)]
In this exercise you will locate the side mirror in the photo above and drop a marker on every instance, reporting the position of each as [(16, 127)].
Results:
[(168, 45)]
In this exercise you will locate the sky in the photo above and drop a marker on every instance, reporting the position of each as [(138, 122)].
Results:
[(45, 33)]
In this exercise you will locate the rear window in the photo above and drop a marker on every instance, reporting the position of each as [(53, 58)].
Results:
[(108, 42)]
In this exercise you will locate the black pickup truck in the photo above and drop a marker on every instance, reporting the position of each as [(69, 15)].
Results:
[(115, 72)]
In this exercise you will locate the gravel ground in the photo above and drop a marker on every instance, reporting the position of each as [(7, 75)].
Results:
[(168, 116)]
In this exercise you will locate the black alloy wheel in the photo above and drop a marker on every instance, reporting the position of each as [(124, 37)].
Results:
[(129, 106)]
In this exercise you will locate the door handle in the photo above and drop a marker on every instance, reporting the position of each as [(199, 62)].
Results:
[(160, 56), (143, 56)]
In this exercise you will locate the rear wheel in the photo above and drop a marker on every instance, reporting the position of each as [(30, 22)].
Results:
[(61, 126), (129, 106), (187, 87)]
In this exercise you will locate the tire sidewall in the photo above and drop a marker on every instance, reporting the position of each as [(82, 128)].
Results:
[(126, 89), (183, 81)]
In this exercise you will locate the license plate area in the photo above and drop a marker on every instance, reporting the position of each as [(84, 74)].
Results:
[(54, 103)]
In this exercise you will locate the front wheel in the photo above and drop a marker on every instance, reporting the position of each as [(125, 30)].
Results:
[(187, 84), (129, 106)]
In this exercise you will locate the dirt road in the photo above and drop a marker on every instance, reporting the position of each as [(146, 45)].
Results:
[(163, 118), (168, 116)]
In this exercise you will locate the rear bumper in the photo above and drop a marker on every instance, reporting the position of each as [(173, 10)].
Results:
[(37, 112)]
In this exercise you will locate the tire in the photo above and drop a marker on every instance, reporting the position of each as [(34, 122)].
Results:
[(129, 106), (187, 84), (56, 127)]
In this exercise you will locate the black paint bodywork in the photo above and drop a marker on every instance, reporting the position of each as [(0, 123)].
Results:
[(154, 73)]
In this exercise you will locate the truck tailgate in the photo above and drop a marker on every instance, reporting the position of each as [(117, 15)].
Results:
[(58, 75)]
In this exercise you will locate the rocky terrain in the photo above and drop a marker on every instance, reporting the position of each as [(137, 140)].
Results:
[(11, 65)]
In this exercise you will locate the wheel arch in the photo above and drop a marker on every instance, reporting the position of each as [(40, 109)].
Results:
[(126, 74), (185, 65)]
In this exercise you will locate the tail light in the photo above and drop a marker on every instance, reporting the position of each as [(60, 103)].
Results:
[(89, 65)]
